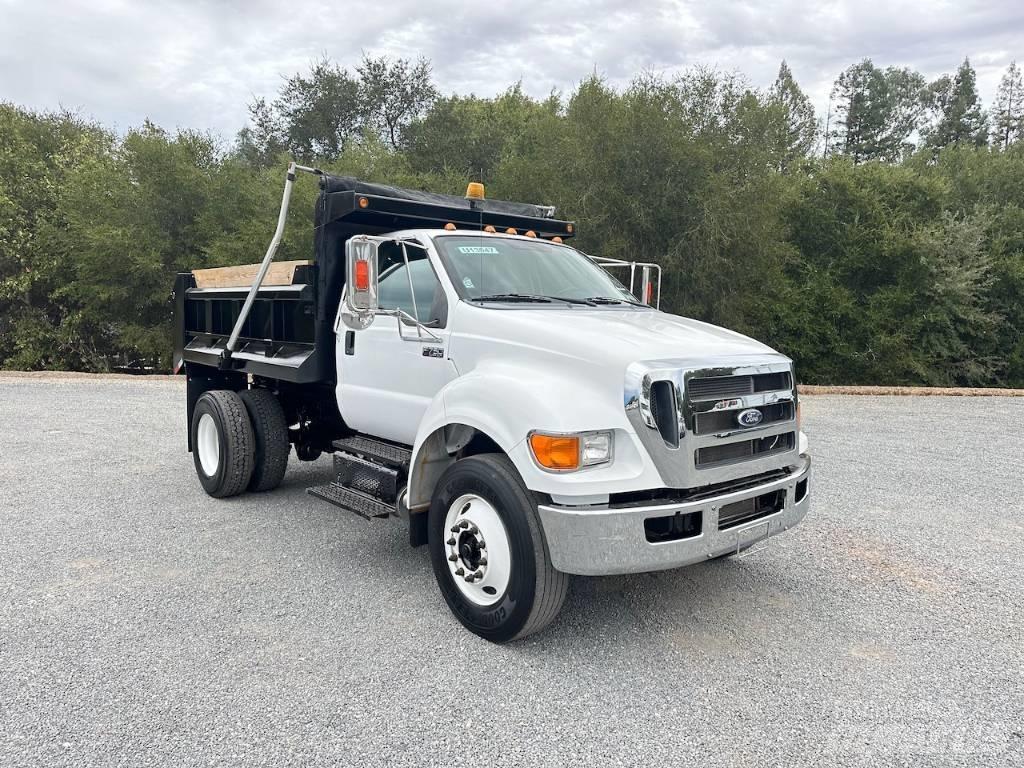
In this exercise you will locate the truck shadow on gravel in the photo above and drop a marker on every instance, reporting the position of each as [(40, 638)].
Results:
[(709, 608)]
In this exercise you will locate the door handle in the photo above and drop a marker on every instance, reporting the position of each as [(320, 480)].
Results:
[(350, 342)]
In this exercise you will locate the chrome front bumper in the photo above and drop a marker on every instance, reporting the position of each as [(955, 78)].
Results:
[(595, 541)]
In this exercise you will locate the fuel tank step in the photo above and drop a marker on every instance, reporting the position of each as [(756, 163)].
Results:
[(353, 501), (369, 476), (377, 480)]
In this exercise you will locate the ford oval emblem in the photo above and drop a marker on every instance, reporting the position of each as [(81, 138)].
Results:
[(750, 417)]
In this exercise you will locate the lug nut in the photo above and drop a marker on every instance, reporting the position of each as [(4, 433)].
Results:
[(483, 561), (453, 558), (459, 571), (473, 529), (463, 523), (451, 542), (455, 529)]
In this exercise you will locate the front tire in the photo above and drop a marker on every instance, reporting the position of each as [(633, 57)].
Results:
[(488, 551), (223, 447)]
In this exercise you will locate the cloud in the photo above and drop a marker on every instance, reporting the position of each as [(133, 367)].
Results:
[(197, 64)]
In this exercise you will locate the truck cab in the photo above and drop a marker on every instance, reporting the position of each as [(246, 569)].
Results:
[(527, 413)]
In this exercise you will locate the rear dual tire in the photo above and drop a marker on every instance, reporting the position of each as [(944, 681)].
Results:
[(223, 444), (239, 442), (270, 432)]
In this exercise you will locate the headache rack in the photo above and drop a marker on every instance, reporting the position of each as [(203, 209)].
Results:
[(276, 319)]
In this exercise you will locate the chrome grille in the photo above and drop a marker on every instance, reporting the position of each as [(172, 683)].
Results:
[(744, 449), (728, 387), (705, 443), (709, 422)]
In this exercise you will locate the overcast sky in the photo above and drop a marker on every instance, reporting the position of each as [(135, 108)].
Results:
[(198, 63)]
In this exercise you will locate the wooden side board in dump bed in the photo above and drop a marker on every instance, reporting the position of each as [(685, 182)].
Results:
[(280, 273)]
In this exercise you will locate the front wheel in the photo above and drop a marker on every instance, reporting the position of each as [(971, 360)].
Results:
[(488, 551)]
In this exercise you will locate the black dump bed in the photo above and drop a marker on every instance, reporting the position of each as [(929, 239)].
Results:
[(288, 335)]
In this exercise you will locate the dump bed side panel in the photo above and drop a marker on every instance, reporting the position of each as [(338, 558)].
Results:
[(279, 337)]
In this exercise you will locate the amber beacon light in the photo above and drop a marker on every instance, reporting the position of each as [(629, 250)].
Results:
[(475, 191)]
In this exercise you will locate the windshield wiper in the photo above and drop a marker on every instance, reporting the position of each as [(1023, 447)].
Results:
[(512, 297), (532, 297), (612, 300), (567, 300)]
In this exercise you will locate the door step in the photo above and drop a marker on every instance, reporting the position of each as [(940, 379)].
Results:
[(369, 476), (377, 451), (354, 501)]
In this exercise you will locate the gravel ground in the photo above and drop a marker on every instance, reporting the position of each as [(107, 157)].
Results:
[(143, 623)]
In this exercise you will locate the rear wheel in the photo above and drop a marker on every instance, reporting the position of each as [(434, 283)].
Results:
[(223, 446), (488, 551), (270, 431)]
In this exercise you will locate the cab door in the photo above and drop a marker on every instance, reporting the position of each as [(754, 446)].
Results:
[(389, 373)]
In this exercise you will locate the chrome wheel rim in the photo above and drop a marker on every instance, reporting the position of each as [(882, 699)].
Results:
[(477, 549), (208, 445)]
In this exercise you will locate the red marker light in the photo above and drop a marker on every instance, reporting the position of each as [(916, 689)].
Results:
[(650, 293), (362, 275)]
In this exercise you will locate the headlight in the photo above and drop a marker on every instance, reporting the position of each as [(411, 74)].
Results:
[(565, 453)]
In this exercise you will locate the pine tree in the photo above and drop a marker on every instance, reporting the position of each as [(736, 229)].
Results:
[(877, 110), (1009, 109), (959, 117), (797, 128)]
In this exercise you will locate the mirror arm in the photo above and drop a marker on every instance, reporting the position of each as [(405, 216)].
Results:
[(420, 327), (412, 292)]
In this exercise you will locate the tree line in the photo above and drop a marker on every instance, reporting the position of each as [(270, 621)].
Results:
[(880, 243)]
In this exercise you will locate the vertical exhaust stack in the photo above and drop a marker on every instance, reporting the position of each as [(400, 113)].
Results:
[(275, 241)]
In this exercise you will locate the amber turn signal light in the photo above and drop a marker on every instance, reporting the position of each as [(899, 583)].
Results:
[(556, 451), (364, 203)]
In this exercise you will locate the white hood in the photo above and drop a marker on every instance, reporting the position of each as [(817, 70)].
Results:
[(606, 337)]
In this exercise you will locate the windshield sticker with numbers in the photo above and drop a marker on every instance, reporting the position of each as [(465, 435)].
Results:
[(488, 249)]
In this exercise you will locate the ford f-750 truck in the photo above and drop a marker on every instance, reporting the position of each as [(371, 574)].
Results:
[(527, 414)]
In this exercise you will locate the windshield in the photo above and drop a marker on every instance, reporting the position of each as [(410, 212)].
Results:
[(506, 269)]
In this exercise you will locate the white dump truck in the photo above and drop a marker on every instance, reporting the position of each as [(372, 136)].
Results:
[(523, 406)]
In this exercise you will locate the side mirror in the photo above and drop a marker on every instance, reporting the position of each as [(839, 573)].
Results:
[(360, 282)]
